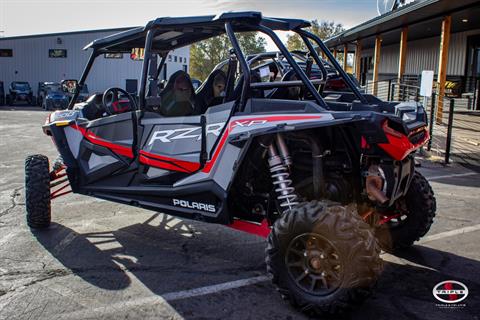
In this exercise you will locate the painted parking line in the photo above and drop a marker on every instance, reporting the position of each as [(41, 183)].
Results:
[(163, 299), (214, 288), (457, 175), (450, 233)]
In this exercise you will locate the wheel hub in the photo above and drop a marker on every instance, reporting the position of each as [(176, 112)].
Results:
[(314, 264)]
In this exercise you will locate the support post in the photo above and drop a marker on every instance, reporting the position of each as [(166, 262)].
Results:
[(376, 64), (345, 56), (432, 120), (449, 131), (403, 53), (335, 53), (358, 60), (442, 64)]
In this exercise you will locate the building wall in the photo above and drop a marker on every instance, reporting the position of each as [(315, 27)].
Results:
[(30, 61), (424, 54)]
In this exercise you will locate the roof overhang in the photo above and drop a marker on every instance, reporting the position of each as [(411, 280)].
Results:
[(171, 33), (422, 17)]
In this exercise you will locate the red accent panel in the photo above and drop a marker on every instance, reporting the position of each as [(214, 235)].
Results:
[(398, 146), (221, 144), (176, 164), (262, 230), (160, 164), (121, 150), (364, 144)]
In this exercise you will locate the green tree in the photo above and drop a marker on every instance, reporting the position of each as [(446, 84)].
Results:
[(206, 54), (323, 29)]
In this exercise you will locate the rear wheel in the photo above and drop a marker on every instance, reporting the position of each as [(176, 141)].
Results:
[(415, 216), (324, 259), (37, 191)]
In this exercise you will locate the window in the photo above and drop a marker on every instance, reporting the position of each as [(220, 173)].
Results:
[(169, 57), (6, 53), (113, 55), (174, 58), (57, 53), (137, 54), (185, 68)]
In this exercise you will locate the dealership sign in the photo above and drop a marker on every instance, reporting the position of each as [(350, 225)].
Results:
[(386, 6), (450, 291)]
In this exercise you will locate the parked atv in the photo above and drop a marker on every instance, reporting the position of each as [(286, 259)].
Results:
[(325, 177), (20, 91)]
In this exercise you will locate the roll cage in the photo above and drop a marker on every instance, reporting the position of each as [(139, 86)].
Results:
[(162, 35)]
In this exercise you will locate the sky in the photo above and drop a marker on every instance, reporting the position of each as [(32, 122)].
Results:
[(25, 17)]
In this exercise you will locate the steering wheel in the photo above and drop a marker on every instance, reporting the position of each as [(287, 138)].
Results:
[(114, 105)]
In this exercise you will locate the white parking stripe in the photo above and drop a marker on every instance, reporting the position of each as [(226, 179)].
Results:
[(451, 233), (453, 175), (172, 296), (162, 299)]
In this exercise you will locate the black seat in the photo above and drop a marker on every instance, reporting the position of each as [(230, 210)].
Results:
[(178, 97), (205, 97), (254, 93), (287, 93)]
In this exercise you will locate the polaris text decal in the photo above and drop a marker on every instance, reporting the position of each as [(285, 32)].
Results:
[(194, 205)]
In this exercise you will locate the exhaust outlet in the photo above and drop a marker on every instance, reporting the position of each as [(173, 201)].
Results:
[(374, 184)]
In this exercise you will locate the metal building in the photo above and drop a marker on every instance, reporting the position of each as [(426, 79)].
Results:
[(58, 56)]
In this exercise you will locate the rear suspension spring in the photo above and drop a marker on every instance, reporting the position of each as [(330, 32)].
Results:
[(281, 178)]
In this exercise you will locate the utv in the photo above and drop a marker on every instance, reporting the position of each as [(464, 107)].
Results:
[(20, 91), (327, 177)]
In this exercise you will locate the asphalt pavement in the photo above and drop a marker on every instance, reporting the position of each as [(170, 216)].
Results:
[(101, 260)]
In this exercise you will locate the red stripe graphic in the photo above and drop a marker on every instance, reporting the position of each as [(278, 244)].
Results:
[(168, 163), (121, 150)]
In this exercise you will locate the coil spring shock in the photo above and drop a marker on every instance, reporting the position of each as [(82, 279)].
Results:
[(281, 177)]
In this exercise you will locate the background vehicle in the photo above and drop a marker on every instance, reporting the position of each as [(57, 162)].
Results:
[(20, 91), (326, 177), (54, 97), (40, 93), (2, 94)]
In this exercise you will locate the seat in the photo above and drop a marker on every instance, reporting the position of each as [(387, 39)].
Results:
[(205, 96), (287, 93), (178, 97), (254, 93)]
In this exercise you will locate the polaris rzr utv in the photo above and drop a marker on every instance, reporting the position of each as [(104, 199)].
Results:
[(327, 177)]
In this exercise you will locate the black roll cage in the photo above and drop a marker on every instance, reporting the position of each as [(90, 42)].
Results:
[(244, 66)]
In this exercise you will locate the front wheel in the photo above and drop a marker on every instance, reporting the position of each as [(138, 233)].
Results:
[(416, 211), (323, 258), (37, 191)]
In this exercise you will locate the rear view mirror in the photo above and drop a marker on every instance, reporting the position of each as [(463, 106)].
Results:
[(69, 86)]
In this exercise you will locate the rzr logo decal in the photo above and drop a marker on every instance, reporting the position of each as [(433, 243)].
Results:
[(186, 133), (166, 136)]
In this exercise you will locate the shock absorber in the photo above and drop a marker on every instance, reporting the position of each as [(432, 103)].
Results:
[(282, 183)]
